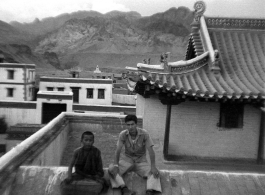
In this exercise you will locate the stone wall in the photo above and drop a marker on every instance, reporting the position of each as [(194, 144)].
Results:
[(47, 180)]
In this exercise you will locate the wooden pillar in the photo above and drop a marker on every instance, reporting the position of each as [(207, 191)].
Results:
[(167, 131), (261, 136)]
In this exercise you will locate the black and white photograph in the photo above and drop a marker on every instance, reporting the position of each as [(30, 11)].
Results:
[(132, 97)]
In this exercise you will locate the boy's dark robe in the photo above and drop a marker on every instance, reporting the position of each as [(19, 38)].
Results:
[(88, 162), (88, 165)]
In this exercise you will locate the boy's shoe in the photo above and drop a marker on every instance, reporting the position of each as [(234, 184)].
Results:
[(126, 191)]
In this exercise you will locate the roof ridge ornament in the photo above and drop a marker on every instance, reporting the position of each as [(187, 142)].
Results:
[(164, 58), (215, 64), (200, 8)]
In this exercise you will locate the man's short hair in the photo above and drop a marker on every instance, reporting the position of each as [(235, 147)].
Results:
[(131, 117), (86, 133)]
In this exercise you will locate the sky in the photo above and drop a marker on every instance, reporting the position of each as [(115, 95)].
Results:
[(28, 10)]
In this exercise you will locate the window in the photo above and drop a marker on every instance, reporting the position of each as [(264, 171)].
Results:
[(49, 88), (10, 74), (101, 93), (10, 92), (31, 75), (89, 93), (60, 88), (231, 115)]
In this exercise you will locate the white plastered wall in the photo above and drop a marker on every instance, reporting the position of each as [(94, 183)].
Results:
[(83, 91), (194, 130)]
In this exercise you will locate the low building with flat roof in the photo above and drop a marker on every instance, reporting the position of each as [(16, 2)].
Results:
[(85, 91)]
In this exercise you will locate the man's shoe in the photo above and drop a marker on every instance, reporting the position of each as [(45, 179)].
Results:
[(149, 192), (126, 191)]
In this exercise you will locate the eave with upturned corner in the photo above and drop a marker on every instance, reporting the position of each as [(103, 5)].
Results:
[(224, 62)]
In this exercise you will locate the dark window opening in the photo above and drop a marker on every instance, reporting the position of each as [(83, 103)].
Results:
[(89, 93), (60, 88), (10, 92), (101, 93), (10, 74), (231, 115), (49, 88)]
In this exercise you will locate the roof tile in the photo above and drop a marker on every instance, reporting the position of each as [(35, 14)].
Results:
[(239, 52)]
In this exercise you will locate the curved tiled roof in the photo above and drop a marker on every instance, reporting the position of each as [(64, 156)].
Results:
[(238, 51)]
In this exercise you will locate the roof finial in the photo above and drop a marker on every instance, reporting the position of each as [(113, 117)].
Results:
[(200, 8)]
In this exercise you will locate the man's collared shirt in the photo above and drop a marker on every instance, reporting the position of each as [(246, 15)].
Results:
[(135, 150)]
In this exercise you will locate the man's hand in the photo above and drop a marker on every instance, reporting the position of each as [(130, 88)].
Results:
[(114, 171), (154, 171)]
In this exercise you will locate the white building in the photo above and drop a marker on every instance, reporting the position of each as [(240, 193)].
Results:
[(17, 81), (85, 91)]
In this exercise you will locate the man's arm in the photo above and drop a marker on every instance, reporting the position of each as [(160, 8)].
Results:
[(153, 170)]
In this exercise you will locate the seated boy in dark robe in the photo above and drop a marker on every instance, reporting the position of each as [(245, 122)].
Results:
[(87, 161)]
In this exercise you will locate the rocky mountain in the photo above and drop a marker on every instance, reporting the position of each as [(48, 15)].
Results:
[(41, 27), (115, 39)]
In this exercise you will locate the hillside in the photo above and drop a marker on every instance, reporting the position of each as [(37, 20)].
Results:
[(115, 39), (19, 53), (10, 34)]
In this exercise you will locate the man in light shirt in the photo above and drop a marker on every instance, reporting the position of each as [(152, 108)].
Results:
[(136, 142)]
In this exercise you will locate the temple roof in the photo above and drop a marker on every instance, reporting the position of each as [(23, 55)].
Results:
[(225, 58)]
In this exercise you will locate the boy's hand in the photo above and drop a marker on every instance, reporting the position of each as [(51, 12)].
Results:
[(98, 179), (154, 171), (68, 180)]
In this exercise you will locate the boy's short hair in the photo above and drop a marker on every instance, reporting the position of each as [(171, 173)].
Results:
[(86, 133), (131, 117)]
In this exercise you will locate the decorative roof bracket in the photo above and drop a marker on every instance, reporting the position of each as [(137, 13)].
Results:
[(179, 67)]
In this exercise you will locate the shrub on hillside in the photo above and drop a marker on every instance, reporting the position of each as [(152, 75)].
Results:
[(3, 125)]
